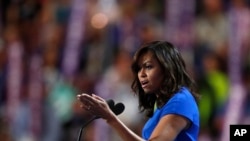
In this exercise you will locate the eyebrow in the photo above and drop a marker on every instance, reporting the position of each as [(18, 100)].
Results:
[(148, 61), (144, 63)]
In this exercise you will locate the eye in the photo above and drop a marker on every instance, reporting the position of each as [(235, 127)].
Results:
[(148, 66)]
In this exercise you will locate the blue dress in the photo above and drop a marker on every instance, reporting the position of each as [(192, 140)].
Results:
[(182, 103)]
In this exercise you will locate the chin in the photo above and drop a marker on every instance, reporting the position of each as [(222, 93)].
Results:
[(148, 91)]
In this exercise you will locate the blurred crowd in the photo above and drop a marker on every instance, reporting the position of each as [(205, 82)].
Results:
[(52, 50)]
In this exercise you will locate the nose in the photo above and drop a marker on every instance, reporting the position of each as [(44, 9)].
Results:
[(142, 73)]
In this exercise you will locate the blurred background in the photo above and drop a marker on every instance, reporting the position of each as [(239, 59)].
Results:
[(52, 50)]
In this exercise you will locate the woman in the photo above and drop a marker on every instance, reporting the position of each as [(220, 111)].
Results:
[(166, 93)]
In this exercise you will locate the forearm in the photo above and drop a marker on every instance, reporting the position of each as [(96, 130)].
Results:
[(124, 132)]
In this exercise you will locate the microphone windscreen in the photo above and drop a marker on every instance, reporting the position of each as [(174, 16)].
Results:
[(111, 103), (119, 108)]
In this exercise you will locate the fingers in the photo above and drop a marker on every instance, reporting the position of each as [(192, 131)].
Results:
[(86, 101), (86, 107), (95, 105), (98, 97), (85, 98)]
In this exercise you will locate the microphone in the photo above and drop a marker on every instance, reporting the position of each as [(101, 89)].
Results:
[(118, 108), (115, 108)]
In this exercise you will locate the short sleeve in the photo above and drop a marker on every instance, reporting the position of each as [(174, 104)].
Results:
[(182, 103)]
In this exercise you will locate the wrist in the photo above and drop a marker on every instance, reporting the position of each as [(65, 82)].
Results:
[(111, 119)]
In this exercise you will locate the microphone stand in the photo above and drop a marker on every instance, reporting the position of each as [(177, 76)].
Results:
[(84, 125)]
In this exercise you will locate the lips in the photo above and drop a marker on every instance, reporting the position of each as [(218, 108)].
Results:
[(144, 84)]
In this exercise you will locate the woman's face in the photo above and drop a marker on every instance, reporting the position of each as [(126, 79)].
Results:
[(150, 73)]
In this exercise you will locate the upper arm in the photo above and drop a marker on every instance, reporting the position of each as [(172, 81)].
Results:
[(169, 127)]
